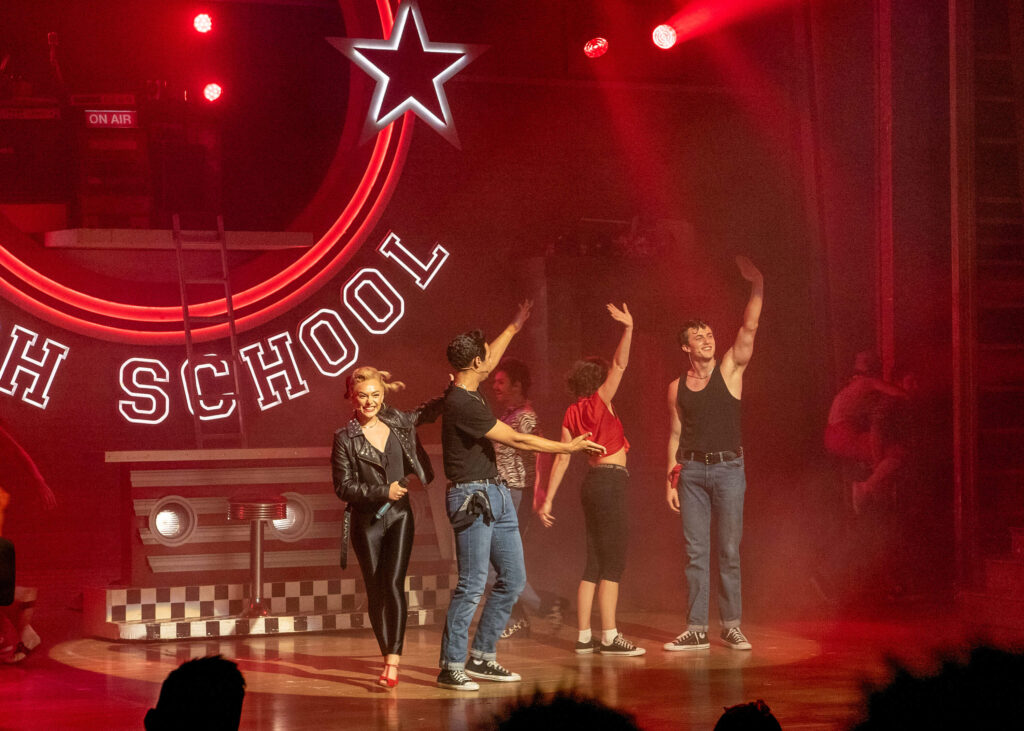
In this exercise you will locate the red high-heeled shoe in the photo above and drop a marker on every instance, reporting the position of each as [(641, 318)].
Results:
[(384, 681)]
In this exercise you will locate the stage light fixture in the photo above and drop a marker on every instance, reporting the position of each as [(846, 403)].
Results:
[(298, 518), (664, 36), (172, 521), (203, 23), (595, 47), (212, 92)]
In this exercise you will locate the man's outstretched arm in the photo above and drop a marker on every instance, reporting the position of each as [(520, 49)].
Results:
[(743, 348)]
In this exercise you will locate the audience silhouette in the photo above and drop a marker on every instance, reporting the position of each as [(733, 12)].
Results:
[(202, 694)]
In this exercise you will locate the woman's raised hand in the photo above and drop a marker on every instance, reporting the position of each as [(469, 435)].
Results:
[(622, 315)]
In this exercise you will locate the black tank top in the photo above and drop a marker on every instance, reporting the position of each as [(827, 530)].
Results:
[(392, 458), (710, 418)]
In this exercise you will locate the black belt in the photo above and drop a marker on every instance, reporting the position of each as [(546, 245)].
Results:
[(486, 481), (712, 457)]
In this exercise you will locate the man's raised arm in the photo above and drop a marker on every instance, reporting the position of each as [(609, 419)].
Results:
[(496, 348), (743, 348)]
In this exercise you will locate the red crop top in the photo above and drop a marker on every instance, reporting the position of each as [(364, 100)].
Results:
[(591, 414)]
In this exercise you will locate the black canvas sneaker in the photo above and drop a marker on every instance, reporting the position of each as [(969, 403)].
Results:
[(456, 680), (587, 648), (622, 647), (734, 638), (490, 670), (689, 640)]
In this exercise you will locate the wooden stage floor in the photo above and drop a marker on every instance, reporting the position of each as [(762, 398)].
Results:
[(811, 672)]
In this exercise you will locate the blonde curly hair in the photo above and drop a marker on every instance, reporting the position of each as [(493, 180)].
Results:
[(369, 373)]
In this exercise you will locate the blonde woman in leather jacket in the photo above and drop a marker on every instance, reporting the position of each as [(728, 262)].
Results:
[(373, 457)]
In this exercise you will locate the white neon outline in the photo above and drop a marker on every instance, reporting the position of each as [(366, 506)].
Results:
[(49, 347), (146, 393), (352, 290), (279, 365), (307, 331), (374, 121), (217, 373), (406, 259)]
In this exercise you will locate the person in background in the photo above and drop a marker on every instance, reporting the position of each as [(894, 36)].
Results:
[(19, 638), (518, 468)]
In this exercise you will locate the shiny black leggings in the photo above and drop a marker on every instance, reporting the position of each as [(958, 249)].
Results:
[(383, 546)]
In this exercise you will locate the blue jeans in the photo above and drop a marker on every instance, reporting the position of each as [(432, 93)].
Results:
[(712, 494), (477, 547)]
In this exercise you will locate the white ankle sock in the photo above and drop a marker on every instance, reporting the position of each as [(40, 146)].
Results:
[(608, 636), (585, 635)]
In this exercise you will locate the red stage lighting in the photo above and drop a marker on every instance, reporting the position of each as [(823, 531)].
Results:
[(203, 23), (595, 47), (664, 36), (212, 92)]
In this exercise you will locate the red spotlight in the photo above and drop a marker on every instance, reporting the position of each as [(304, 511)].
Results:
[(664, 36), (203, 23), (212, 92), (595, 47)]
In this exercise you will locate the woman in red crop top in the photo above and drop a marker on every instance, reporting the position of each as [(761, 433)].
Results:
[(603, 493)]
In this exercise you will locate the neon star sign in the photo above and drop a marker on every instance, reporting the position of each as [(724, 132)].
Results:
[(410, 71)]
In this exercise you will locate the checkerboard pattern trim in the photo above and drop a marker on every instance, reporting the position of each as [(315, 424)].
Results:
[(180, 612)]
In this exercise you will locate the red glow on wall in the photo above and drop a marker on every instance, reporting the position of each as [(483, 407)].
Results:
[(705, 16), (212, 92), (111, 319), (595, 47), (203, 23), (664, 36)]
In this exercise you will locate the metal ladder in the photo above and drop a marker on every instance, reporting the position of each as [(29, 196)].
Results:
[(184, 242)]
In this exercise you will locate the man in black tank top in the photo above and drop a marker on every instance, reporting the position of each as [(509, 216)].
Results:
[(706, 480)]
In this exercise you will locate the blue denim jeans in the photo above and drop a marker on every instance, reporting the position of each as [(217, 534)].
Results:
[(712, 494), (477, 547), (528, 598)]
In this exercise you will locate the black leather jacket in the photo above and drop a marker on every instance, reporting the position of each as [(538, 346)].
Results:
[(359, 476)]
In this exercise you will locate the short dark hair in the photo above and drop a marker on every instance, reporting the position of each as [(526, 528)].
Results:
[(586, 376), (465, 347), (753, 716), (982, 692), (566, 709), (517, 372), (684, 331), (202, 693)]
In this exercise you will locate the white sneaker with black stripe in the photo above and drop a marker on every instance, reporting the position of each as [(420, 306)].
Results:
[(734, 638)]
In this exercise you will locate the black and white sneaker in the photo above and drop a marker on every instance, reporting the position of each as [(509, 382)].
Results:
[(519, 627), (490, 670), (689, 640), (734, 638), (456, 680), (622, 647), (588, 648)]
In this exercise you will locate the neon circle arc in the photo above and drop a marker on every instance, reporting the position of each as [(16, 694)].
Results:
[(119, 321)]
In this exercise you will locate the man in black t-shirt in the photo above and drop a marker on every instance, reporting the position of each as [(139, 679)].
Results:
[(481, 510)]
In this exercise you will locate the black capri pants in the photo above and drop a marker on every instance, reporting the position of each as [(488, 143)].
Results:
[(604, 511)]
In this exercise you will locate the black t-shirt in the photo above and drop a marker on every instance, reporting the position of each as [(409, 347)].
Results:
[(468, 454)]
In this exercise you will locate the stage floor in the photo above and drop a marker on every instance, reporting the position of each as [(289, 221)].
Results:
[(811, 672)]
